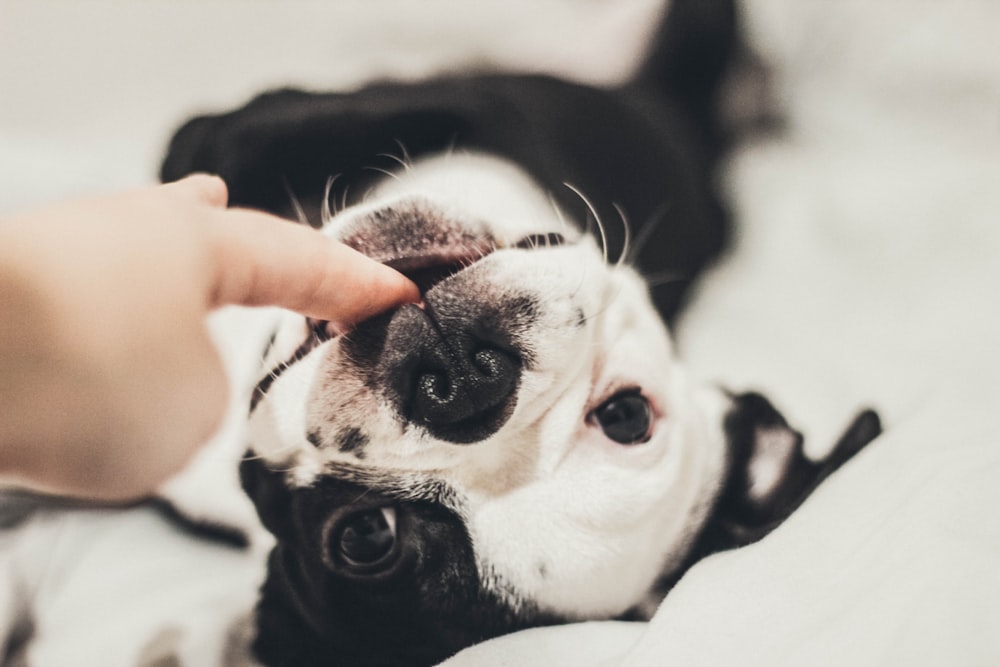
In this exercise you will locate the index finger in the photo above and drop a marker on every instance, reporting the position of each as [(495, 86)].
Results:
[(263, 260)]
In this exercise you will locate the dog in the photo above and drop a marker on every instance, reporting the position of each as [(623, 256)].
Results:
[(523, 447)]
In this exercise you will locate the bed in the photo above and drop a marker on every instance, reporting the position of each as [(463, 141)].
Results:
[(864, 273)]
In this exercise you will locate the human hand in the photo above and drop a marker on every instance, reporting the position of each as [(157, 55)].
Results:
[(109, 379)]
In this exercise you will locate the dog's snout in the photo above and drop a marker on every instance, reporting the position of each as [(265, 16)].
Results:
[(451, 377), (460, 399)]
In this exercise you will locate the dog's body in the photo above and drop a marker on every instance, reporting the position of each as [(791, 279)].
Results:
[(523, 448)]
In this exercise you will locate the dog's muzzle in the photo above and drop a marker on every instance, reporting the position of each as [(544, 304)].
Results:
[(453, 365), (451, 373)]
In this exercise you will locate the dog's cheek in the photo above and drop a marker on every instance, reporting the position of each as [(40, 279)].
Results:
[(347, 419), (269, 492)]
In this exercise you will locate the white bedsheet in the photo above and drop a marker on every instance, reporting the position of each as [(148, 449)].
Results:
[(865, 273)]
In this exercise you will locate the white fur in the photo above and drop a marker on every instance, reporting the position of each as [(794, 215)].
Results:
[(559, 514)]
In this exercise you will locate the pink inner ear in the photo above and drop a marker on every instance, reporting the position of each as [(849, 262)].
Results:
[(774, 451)]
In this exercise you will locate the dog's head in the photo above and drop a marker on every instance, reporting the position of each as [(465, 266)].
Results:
[(520, 449)]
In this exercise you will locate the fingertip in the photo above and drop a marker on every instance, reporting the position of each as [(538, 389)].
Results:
[(265, 261), (205, 188), (386, 289), (391, 288), (401, 288)]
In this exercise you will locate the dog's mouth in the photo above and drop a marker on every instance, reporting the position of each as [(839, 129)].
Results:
[(429, 266), (429, 269)]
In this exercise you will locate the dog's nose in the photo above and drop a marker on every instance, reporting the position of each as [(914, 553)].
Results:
[(456, 376)]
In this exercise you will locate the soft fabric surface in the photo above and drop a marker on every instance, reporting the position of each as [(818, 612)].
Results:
[(864, 274)]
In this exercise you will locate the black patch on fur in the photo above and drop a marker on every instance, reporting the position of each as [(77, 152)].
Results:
[(352, 441), (198, 528), (312, 611), (260, 390), (740, 517), (15, 645), (744, 516), (314, 438)]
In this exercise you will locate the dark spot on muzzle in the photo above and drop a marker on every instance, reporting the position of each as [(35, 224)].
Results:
[(456, 376)]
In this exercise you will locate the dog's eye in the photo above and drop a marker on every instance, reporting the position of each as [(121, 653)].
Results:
[(367, 538), (624, 418)]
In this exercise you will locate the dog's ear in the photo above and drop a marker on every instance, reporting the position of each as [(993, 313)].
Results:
[(769, 473), (269, 492), (289, 141), (768, 477)]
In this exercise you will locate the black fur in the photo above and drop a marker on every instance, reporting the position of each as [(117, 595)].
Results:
[(316, 611), (740, 519), (649, 146)]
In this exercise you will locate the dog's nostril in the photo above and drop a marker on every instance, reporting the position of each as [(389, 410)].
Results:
[(469, 399), (489, 362), (433, 385)]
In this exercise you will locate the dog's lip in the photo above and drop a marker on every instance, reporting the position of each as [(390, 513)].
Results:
[(427, 269), (430, 268), (466, 254)]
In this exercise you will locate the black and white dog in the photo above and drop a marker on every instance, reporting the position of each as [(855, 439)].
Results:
[(523, 448)]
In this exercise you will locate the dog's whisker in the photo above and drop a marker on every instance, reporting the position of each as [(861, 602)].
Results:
[(343, 197), (606, 305), (650, 225), (596, 218), (386, 172), (300, 213), (361, 496), (481, 252), (405, 161), (406, 154), (604, 238), (588, 227), (563, 224), (326, 215), (627, 236), (661, 278), (395, 158), (452, 146)]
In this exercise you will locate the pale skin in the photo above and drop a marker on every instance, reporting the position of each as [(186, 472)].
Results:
[(108, 379)]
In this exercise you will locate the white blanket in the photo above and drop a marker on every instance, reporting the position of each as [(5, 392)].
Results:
[(865, 273)]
